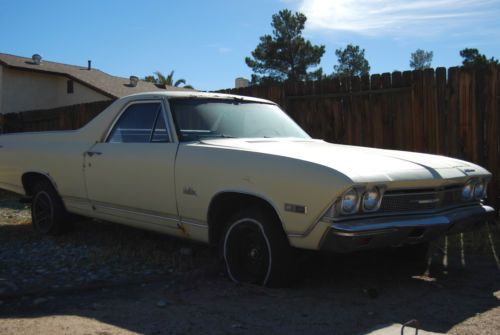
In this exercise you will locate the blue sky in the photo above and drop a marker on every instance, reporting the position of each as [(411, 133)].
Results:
[(206, 42)]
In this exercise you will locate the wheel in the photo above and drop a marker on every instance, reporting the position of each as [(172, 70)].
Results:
[(256, 250), (48, 215)]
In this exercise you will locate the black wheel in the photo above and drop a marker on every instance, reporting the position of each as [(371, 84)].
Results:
[(48, 215), (256, 250)]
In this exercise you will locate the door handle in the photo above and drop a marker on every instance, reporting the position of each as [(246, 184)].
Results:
[(92, 153)]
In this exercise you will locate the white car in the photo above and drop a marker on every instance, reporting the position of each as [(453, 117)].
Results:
[(238, 173)]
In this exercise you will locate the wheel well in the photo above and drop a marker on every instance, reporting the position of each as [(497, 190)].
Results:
[(224, 205), (30, 179)]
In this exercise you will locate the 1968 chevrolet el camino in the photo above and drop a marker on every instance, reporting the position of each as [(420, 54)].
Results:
[(237, 172)]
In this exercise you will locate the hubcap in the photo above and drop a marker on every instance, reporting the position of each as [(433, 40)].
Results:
[(254, 253), (247, 253)]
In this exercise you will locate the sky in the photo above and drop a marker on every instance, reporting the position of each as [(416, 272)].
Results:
[(206, 42)]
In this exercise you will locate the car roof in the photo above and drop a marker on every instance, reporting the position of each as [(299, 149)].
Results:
[(196, 94)]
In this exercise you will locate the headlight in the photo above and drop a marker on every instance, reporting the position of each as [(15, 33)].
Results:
[(371, 200), (467, 191), (479, 190), (350, 202)]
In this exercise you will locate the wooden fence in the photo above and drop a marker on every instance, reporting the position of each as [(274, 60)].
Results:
[(63, 118), (454, 112)]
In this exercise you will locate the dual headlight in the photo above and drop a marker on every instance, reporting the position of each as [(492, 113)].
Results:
[(368, 200), (474, 189)]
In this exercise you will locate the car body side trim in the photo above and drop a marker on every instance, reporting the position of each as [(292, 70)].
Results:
[(122, 209)]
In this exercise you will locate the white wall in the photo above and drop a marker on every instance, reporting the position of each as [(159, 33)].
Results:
[(28, 90)]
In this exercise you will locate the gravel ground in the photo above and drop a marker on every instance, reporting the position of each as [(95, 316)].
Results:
[(104, 278), (93, 253)]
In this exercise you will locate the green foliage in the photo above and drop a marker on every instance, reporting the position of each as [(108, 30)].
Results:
[(472, 57), (161, 80), (421, 59), (285, 55), (352, 62)]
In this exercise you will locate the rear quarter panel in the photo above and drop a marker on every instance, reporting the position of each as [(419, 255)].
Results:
[(58, 155)]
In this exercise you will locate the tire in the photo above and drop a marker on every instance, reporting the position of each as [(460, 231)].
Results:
[(255, 250), (48, 215)]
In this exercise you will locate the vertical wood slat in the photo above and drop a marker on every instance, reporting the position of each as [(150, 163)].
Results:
[(387, 140), (375, 111), (367, 135), (418, 111), (465, 110), (356, 112), (453, 138), (397, 112), (441, 111), (430, 116), (407, 110)]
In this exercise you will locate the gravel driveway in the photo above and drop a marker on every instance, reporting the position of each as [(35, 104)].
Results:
[(104, 278)]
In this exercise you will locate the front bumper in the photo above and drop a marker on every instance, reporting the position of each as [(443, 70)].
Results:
[(375, 233)]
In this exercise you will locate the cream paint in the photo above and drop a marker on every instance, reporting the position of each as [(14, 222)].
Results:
[(132, 190)]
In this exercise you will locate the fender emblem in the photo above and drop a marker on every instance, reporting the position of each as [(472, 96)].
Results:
[(300, 209), (189, 191)]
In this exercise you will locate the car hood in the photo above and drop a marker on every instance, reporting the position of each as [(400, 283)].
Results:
[(360, 164)]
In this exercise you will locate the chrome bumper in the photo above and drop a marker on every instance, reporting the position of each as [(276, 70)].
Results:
[(375, 233)]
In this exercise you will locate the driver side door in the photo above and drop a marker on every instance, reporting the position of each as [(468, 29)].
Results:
[(130, 176)]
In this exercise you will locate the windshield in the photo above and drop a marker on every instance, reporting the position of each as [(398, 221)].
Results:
[(197, 119)]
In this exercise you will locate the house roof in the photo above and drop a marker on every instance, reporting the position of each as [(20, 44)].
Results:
[(114, 87)]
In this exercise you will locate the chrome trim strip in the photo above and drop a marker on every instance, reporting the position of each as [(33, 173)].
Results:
[(394, 192), (193, 222), (151, 214), (140, 220), (170, 118)]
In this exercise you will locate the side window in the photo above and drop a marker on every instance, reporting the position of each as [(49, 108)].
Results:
[(136, 124)]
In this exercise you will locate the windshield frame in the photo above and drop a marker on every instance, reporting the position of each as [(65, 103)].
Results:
[(233, 100)]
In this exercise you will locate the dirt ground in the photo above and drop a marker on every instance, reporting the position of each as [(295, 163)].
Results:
[(153, 284)]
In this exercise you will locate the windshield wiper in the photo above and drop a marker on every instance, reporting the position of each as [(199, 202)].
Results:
[(216, 135)]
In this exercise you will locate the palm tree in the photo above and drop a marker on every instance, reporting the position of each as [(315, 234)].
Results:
[(160, 79)]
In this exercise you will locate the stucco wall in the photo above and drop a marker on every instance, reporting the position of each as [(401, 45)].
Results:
[(28, 90)]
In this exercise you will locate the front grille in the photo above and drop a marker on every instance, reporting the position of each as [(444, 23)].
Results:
[(416, 200)]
